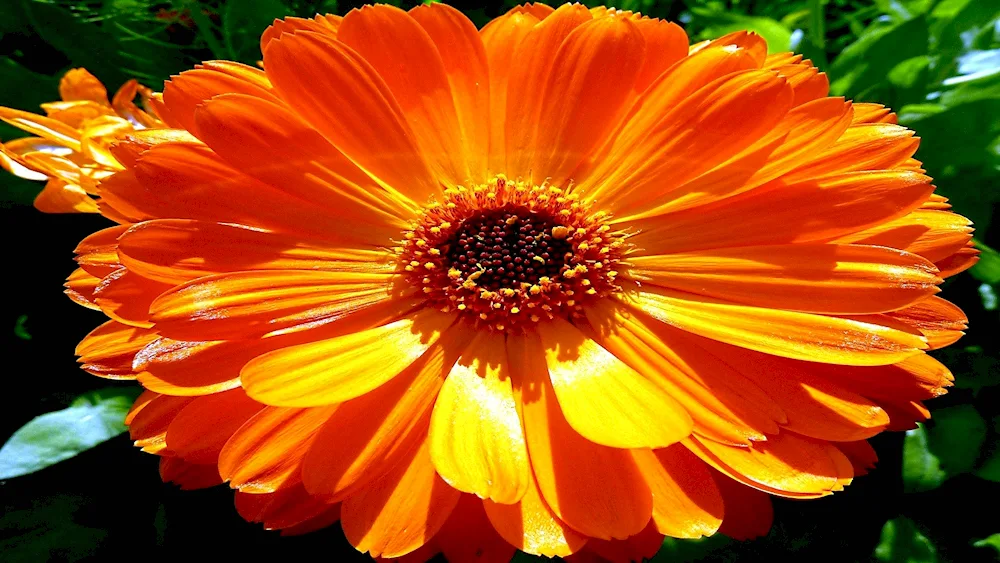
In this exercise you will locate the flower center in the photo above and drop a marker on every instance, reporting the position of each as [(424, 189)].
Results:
[(507, 254), (507, 247)]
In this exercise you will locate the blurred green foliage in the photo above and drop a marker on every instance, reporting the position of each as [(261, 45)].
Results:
[(936, 62), (90, 419)]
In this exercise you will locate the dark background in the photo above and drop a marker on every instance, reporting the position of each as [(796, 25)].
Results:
[(109, 504)]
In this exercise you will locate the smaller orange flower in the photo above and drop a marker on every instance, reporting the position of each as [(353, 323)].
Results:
[(70, 149)]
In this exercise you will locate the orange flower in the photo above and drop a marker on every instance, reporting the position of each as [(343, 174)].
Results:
[(616, 287), (70, 151)]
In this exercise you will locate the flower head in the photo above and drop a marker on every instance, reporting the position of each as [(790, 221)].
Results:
[(564, 284), (70, 149)]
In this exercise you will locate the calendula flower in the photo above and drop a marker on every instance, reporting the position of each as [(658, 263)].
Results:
[(70, 151), (565, 284)]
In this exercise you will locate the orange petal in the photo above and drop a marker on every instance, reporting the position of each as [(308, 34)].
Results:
[(109, 349), (531, 526), (125, 297), (686, 502), (476, 438), (145, 399), (861, 454), (366, 436), (12, 160), (271, 143), (98, 252), (959, 262), (266, 453), (183, 93), (873, 113), (867, 147), (816, 278), (201, 428), (904, 415), (595, 489), (665, 146), (80, 287), (323, 520), (602, 398), (78, 84), (76, 113), (187, 181), (666, 92), (807, 81), (636, 549), (749, 512), (318, 78), (123, 104), (939, 320), (45, 127), (933, 234), (189, 476), (176, 367), (753, 44), (723, 405), (773, 213), (666, 44), (128, 148), (531, 64), (467, 535), (242, 305), (341, 368), (788, 334), (62, 197), (815, 405), (150, 417), (536, 9), (418, 80), (585, 95), (786, 464), (464, 57), (327, 24), (281, 509), (914, 379), (800, 134), (501, 38), (163, 250), (401, 511)]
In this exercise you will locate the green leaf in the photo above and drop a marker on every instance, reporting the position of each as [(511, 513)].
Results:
[(91, 419), (988, 267), (921, 468), (244, 21), (84, 44), (957, 456), (50, 530), (975, 368), (692, 550), (931, 454), (24, 89), (903, 10), (990, 468), (902, 542), (861, 69), (991, 541), (19, 330), (778, 37)]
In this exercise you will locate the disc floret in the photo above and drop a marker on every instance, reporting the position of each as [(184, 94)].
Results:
[(507, 254)]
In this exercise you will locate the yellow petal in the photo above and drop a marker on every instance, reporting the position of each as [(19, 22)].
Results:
[(603, 399), (341, 368), (476, 438)]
